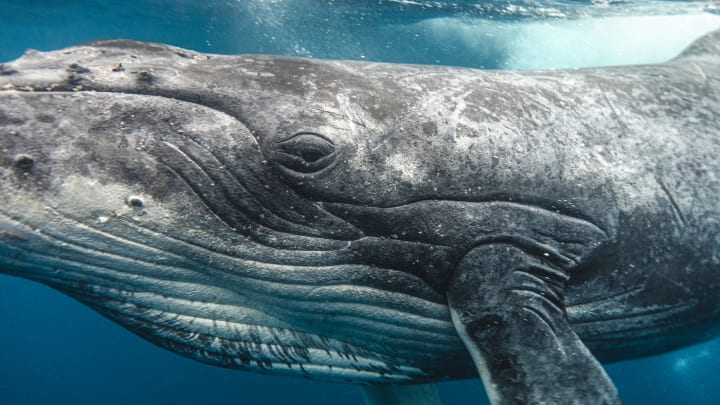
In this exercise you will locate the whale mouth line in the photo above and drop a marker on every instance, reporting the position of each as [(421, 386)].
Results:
[(165, 264), (171, 254)]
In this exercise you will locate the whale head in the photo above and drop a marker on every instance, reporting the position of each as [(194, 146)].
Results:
[(231, 214)]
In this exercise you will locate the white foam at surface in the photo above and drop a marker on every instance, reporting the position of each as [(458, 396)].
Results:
[(607, 41), (573, 43)]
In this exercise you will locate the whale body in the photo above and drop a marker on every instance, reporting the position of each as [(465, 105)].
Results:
[(372, 223)]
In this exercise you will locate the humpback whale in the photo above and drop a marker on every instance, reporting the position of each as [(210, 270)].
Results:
[(372, 223)]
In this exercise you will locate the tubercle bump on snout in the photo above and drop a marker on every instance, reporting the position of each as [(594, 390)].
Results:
[(23, 162), (134, 201)]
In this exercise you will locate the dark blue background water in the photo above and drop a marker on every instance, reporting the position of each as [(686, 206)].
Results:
[(54, 350)]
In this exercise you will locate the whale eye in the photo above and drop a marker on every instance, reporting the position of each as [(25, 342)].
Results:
[(305, 152)]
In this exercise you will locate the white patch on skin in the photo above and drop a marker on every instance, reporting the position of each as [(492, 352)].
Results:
[(405, 165), (479, 361), (87, 198), (90, 195)]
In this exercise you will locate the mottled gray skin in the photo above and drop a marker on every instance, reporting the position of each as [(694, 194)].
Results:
[(371, 223)]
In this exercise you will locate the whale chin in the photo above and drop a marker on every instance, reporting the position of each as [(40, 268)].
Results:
[(232, 310)]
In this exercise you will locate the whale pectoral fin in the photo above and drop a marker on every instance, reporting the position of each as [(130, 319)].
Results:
[(393, 394), (507, 305)]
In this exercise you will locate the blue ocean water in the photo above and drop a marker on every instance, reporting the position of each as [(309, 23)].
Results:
[(54, 350)]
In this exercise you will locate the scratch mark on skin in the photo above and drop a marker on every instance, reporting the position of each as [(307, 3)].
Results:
[(699, 69), (344, 116), (676, 207), (616, 116)]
